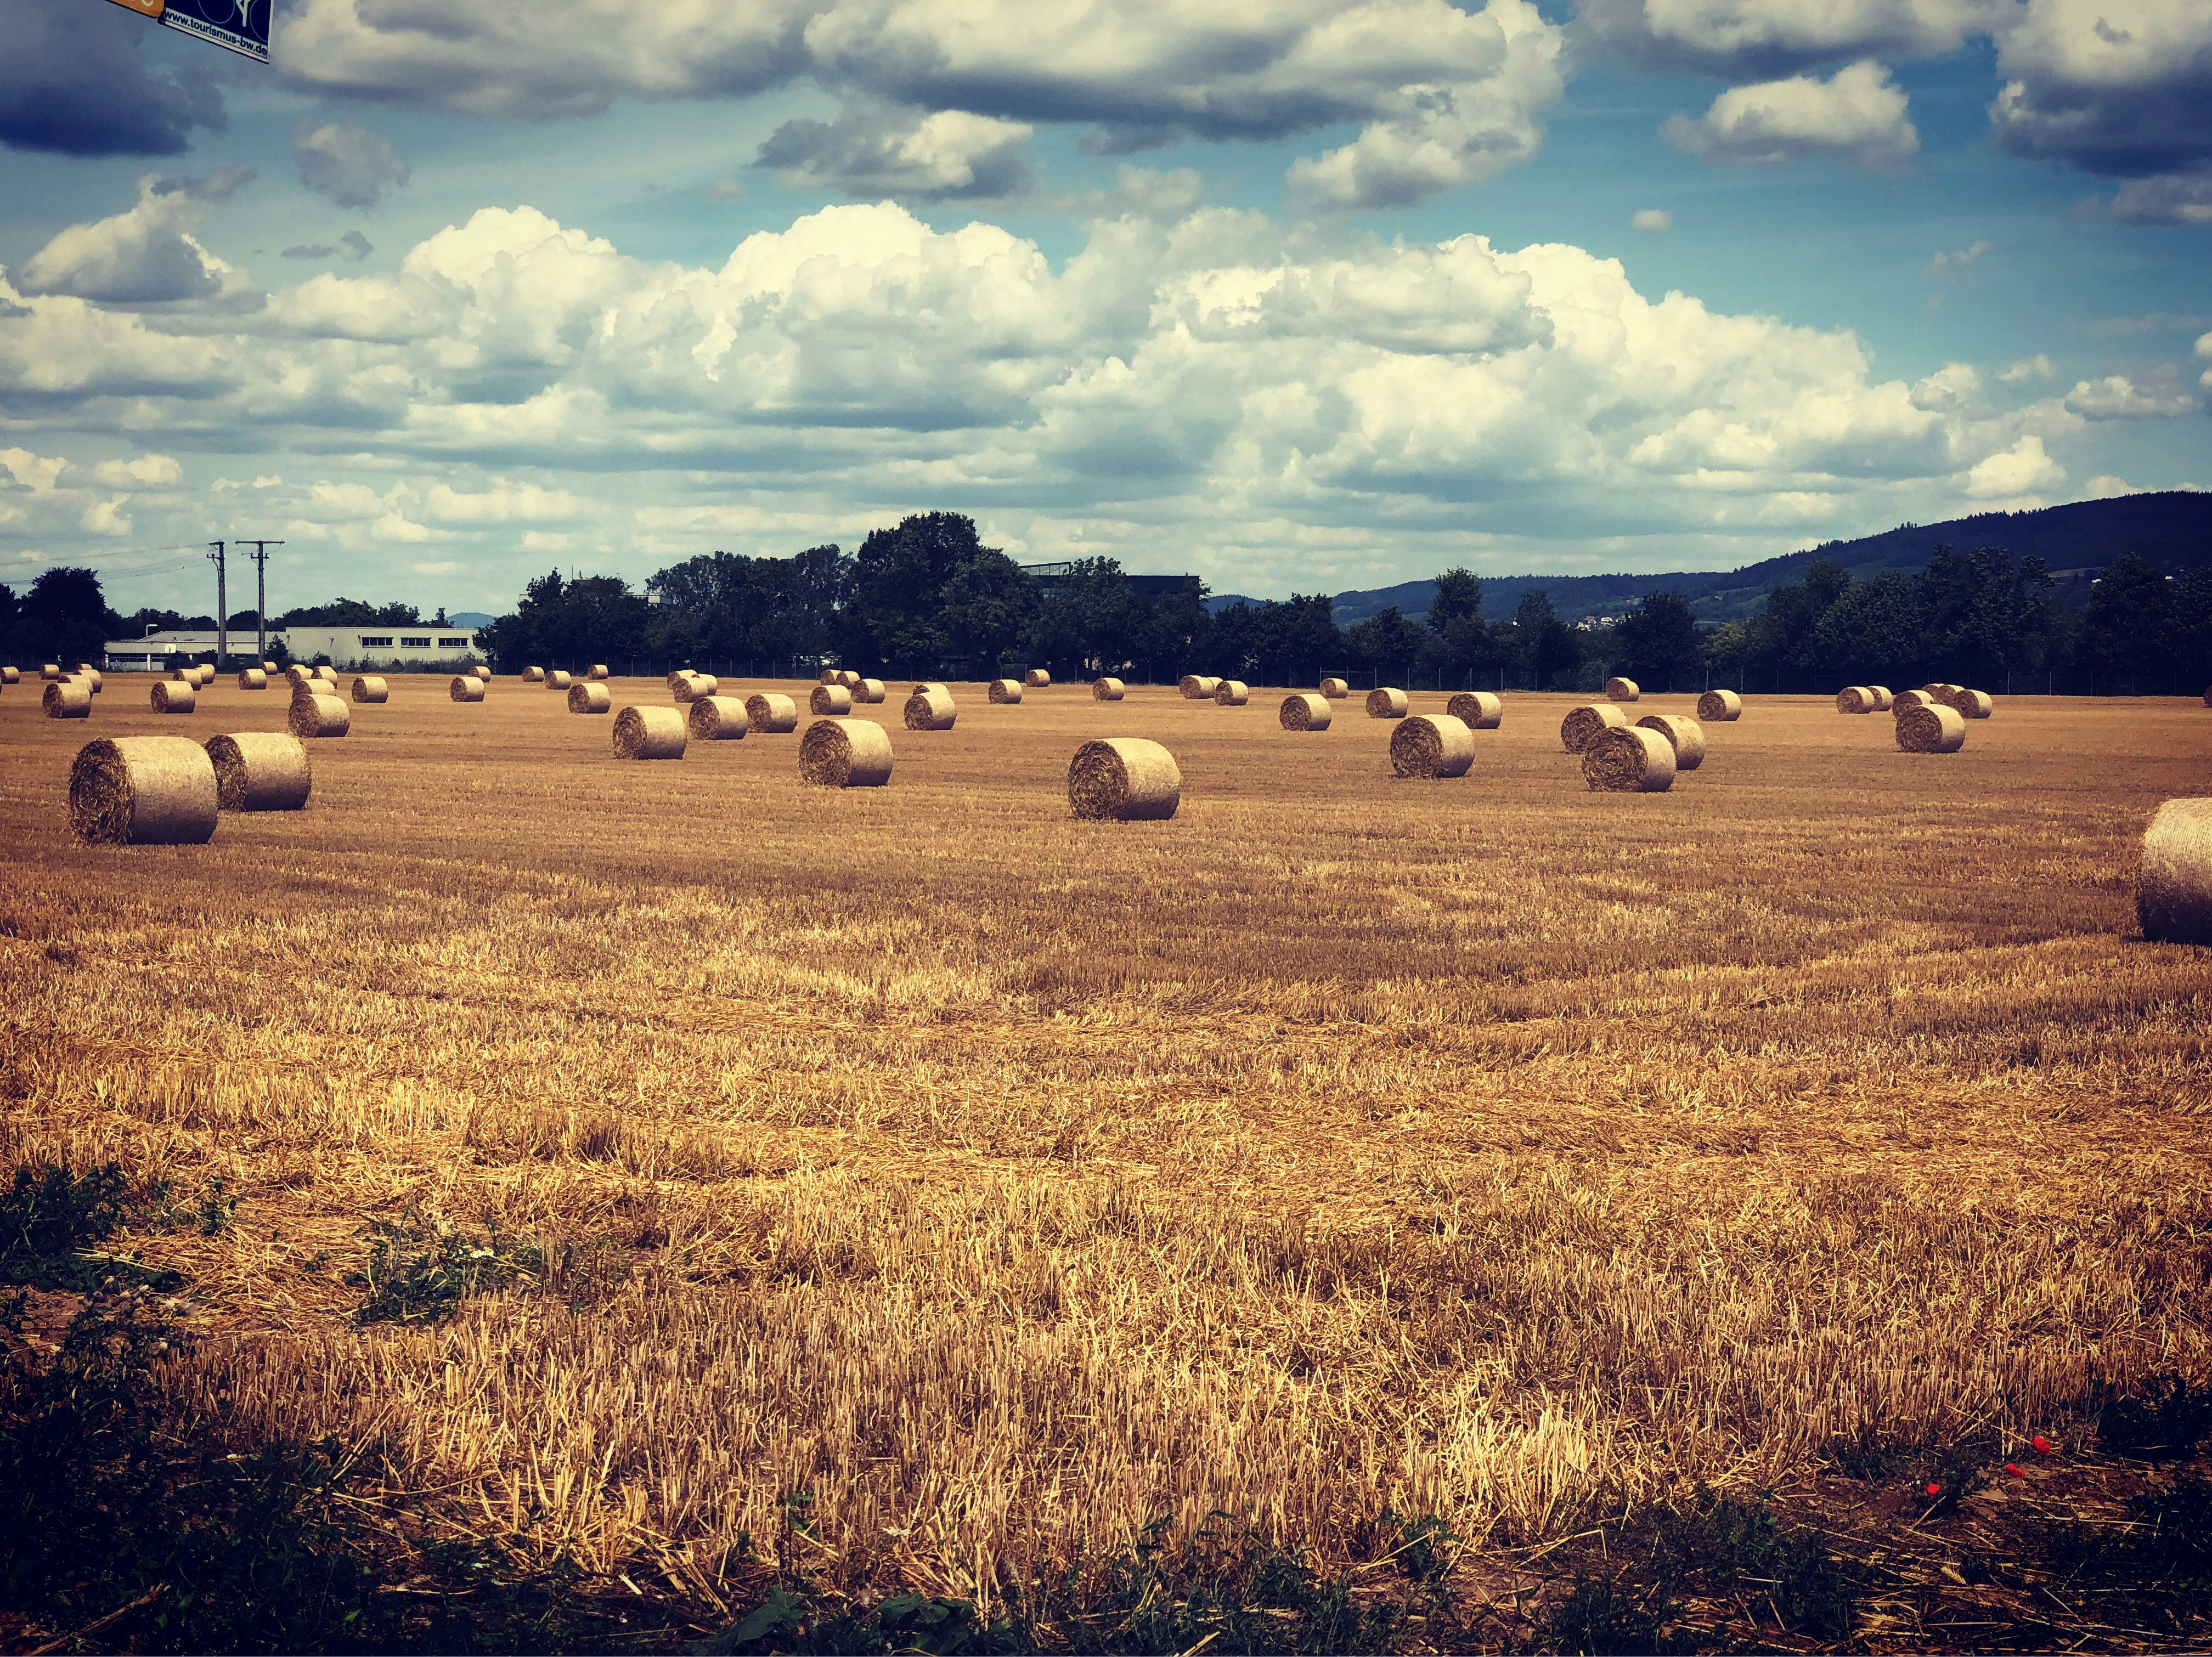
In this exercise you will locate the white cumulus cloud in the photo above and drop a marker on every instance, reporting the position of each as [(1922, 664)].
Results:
[(348, 166), (2117, 397), (1857, 112), (2021, 472), (146, 256)]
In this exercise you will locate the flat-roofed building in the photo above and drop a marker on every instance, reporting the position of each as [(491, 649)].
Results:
[(420, 646)]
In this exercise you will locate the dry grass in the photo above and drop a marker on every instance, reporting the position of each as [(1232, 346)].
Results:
[(1005, 1181)]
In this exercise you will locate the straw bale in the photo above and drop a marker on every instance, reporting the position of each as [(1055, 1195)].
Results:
[(559, 679), (11, 676), (931, 684), (1685, 734), (1126, 778), (1478, 710), (1198, 686), (717, 718), (175, 696), (830, 698), (1335, 690), (207, 674), (1107, 690), (252, 678), (870, 691), (1621, 690), (849, 677), (1974, 705), (676, 676), (930, 708), (143, 791), (1584, 724), (1005, 690), (2174, 888), (829, 675), (297, 675), (690, 687), (318, 716), (1305, 710), (1232, 693), (845, 754), (1931, 729), (479, 670), (598, 671), (1883, 700), (261, 771), (268, 667), (649, 733), (329, 675), (467, 688), (589, 696), (1629, 759), (67, 699), (1907, 699), (91, 675), (1036, 678), (1386, 703), (185, 675), (533, 676), (771, 715), (1432, 745), (51, 671), (1854, 699), (371, 688)]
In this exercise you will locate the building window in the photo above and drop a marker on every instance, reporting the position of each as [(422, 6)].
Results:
[(366, 641), (414, 644), (455, 644)]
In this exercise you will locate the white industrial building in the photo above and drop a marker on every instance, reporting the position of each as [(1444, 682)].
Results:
[(422, 645)]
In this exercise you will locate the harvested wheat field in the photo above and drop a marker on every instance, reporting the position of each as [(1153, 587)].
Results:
[(916, 1188)]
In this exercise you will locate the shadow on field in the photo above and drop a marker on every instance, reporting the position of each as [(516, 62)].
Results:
[(118, 1534)]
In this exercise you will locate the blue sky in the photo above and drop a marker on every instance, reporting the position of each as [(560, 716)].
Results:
[(1307, 297)]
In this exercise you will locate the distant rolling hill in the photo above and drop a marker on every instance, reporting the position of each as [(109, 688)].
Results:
[(2172, 529)]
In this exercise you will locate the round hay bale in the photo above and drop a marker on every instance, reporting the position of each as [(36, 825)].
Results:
[(829, 675), (1232, 693), (175, 696), (143, 791), (1005, 690), (318, 716), (268, 667), (533, 676), (185, 675), (931, 684), (1305, 710), (1854, 699), (676, 676), (371, 688), (11, 676), (833, 699), (1107, 690), (717, 718), (771, 715), (1683, 734), (649, 733), (1629, 759), (1335, 690), (1621, 690), (67, 699), (1931, 729), (849, 677), (1907, 699), (467, 688), (598, 671), (845, 753), (1478, 710), (870, 691), (1585, 724), (1198, 686), (207, 674), (1975, 705), (1432, 745), (690, 687), (930, 708), (559, 679), (2174, 888), (1883, 700), (91, 675), (329, 675), (297, 675), (479, 670), (589, 697), (1124, 779), (252, 678), (1036, 678), (1385, 703), (51, 671), (260, 771)]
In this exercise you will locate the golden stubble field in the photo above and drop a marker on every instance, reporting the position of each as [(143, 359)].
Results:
[(1000, 1183)]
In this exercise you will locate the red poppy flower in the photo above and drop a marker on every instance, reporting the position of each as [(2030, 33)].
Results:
[(2013, 1467), (2042, 1445), (1934, 1490)]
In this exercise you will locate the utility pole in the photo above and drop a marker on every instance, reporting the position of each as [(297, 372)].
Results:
[(260, 556), (221, 604)]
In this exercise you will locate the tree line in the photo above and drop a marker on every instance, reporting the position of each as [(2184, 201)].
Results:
[(927, 599)]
